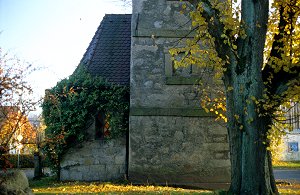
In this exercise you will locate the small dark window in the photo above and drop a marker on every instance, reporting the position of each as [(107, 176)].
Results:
[(102, 126)]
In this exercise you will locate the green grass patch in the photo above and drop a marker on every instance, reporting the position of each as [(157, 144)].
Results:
[(43, 182), (286, 165)]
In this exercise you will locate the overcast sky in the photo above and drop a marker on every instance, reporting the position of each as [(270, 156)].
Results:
[(52, 34)]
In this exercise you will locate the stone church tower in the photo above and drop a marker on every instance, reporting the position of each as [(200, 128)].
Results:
[(171, 139)]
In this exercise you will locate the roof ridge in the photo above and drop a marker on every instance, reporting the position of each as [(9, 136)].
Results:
[(93, 44), (89, 53)]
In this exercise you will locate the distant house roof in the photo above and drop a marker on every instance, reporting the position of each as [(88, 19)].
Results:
[(108, 54)]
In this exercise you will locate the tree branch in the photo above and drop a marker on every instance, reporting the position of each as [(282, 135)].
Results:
[(280, 81)]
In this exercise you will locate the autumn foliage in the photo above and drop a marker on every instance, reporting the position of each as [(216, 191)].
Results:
[(13, 123), (16, 103), (252, 50)]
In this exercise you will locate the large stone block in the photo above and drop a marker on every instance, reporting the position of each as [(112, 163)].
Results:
[(113, 172), (75, 174), (64, 174)]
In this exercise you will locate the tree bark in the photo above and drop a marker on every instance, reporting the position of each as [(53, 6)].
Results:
[(251, 169), (250, 160)]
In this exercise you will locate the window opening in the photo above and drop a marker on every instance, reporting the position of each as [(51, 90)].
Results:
[(102, 126)]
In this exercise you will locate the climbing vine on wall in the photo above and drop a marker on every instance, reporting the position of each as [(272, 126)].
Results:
[(71, 105)]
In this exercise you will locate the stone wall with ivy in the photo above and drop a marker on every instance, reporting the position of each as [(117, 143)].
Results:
[(70, 111)]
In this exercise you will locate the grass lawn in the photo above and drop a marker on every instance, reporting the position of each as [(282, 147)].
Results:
[(286, 165), (50, 186)]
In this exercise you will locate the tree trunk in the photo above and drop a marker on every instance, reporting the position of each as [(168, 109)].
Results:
[(251, 169), (251, 161)]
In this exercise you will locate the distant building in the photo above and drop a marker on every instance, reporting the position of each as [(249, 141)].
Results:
[(291, 141)]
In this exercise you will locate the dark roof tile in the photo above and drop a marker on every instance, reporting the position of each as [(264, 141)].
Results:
[(108, 54)]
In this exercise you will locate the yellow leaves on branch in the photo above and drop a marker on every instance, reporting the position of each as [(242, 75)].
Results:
[(202, 54), (290, 35), (217, 106), (201, 49), (230, 17)]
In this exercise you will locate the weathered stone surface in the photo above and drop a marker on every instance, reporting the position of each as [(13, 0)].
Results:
[(95, 160), (160, 18), (14, 182), (175, 148), (171, 141)]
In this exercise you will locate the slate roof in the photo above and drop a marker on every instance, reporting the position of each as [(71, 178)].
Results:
[(108, 54)]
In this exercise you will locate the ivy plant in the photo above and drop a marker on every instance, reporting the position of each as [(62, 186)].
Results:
[(69, 107)]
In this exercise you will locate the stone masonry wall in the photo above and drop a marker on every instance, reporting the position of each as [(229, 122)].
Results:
[(178, 150), (95, 160), (172, 140)]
